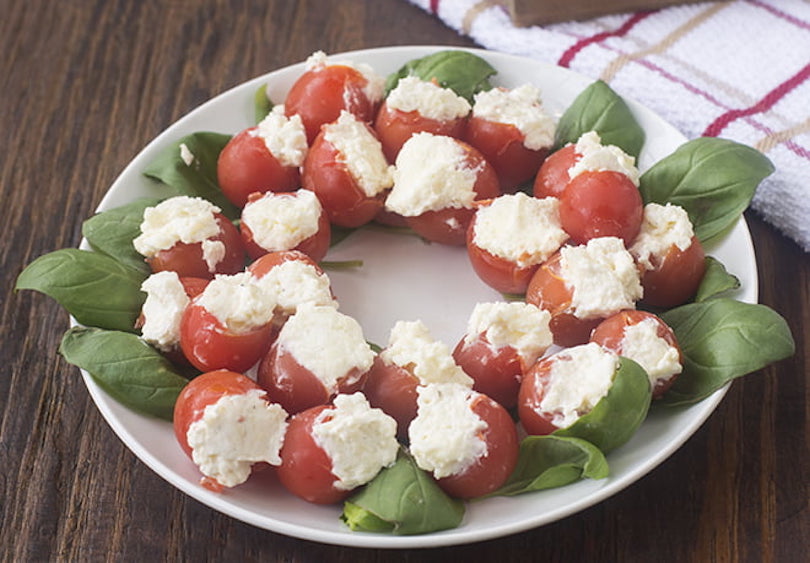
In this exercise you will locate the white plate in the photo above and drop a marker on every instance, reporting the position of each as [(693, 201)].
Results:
[(404, 278)]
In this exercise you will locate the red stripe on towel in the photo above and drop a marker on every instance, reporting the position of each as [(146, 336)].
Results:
[(434, 6), (573, 50), (717, 126)]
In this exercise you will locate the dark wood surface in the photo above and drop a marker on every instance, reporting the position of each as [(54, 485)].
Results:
[(85, 85)]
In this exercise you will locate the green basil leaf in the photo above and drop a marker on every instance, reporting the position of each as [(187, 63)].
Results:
[(546, 462), (112, 232), (126, 367), (598, 108), (463, 72), (713, 179), (402, 499), (96, 289), (261, 103), (617, 416), (716, 282), (722, 339), (199, 178)]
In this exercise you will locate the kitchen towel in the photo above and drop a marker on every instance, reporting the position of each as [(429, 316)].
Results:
[(738, 70)]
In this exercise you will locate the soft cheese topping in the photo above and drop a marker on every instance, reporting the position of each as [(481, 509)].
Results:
[(361, 152), (658, 357), (431, 173), (523, 229), (411, 346), (429, 99), (177, 219), (186, 155), (603, 277), (596, 157), (520, 107), (285, 137), (327, 343), (375, 84), (282, 221), (166, 299), (445, 437), (237, 302), (663, 227), (579, 378), (234, 433), (359, 440), (295, 282), (522, 326)]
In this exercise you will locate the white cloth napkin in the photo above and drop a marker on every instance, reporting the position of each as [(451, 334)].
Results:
[(738, 70)]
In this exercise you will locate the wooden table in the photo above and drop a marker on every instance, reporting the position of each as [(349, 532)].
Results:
[(85, 85)]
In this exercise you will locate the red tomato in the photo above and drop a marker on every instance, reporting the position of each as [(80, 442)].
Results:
[(489, 471), (194, 286), (532, 390), (320, 94), (548, 290), (392, 389), (188, 261), (553, 175), (611, 332), (246, 166), (502, 146), (601, 204), (315, 246), (268, 261), (208, 345), (306, 469), (675, 277), (394, 127), (496, 372), (325, 172)]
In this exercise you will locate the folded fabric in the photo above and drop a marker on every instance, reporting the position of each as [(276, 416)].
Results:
[(738, 70)]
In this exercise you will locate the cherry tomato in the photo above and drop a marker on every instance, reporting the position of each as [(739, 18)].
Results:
[(268, 261), (392, 388), (187, 259), (194, 286), (394, 127), (320, 94), (316, 245), (675, 277), (326, 173), (601, 204), (246, 166), (611, 334), (496, 371), (553, 175), (502, 146)]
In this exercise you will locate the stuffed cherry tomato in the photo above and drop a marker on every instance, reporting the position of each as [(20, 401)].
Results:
[(319, 353), (464, 438), (646, 339), (229, 325), (347, 170), (672, 258), (326, 88), (512, 131), (582, 285), (330, 450), (412, 358), (264, 158), (501, 342), (414, 106), (285, 221), (190, 236), (509, 237), (224, 423), (437, 182)]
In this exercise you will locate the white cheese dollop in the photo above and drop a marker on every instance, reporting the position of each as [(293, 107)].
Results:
[(166, 299), (411, 346), (520, 228), (360, 440), (186, 155), (431, 173), (603, 277), (285, 137), (234, 433), (596, 157), (663, 226), (579, 378), (282, 221), (429, 99), (295, 282), (237, 302), (523, 326), (445, 437), (520, 107), (177, 219), (658, 357)]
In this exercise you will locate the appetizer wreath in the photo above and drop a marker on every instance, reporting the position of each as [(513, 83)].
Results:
[(212, 307)]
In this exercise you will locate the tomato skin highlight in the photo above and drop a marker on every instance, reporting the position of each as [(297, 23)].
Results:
[(187, 259), (393, 389), (601, 204), (288, 383), (306, 469), (394, 127), (490, 471), (499, 273), (675, 279), (496, 372), (553, 177), (246, 166), (532, 390)]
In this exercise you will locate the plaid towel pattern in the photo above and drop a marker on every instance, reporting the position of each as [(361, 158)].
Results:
[(738, 70)]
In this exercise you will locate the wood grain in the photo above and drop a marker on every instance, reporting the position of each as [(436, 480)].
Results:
[(85, 86)]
